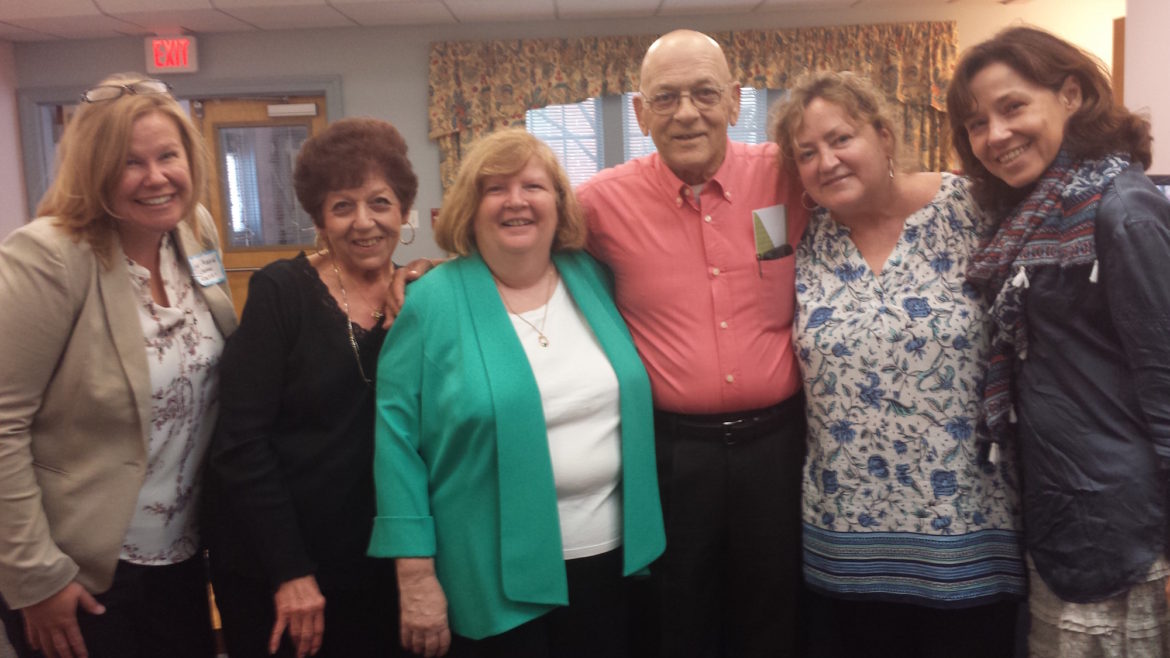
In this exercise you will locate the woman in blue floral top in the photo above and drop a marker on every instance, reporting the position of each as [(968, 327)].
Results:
[(910, 539)]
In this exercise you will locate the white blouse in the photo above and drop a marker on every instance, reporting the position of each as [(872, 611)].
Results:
[(579, 394), (183, 347)]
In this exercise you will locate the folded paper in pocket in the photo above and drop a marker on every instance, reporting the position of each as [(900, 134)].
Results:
[(771, 230)]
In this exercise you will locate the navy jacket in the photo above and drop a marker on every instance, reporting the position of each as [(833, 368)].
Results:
[(1093, 400)]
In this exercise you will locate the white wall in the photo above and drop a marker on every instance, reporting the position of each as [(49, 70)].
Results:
[(12, 212), (384, 70), (1147, 54)]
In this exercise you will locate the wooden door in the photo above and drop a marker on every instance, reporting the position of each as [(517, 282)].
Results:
[(250, 190)]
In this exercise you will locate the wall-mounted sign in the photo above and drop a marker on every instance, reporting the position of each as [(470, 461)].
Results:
[(292, 110), (173, 54)]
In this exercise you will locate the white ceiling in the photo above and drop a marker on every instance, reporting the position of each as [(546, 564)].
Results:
[(46, 20)]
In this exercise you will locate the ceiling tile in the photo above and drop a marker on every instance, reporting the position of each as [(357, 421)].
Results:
[(938, 3), (288, 17), (489, 11), (605, 8), (9, 32), (395, 12), (279, 5), (127, 6), (806, 4), (676, 7), (81, 27), (192, 20), (12, 10)]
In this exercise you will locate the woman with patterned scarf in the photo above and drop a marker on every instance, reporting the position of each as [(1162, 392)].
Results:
[(1079, 275)]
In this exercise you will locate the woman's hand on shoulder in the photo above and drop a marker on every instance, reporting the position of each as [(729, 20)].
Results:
[(424, 629), (51, 625), (300, 608), (412, 271)]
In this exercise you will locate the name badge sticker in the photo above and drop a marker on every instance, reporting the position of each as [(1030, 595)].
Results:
[(207, 268)]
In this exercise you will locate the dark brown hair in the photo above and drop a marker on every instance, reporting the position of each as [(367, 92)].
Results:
[(344, 155), (1099, 127)]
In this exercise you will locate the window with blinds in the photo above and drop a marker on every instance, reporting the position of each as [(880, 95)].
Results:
[(257, 184), (575, 134)]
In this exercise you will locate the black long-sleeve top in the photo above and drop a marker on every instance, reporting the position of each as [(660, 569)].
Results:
[(290, 483)]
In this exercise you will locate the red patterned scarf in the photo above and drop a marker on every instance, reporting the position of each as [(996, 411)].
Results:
[(1052, 226)]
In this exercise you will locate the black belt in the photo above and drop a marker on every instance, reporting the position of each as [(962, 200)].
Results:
[(729, 428)]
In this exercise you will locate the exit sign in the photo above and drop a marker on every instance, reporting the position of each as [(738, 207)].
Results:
[(177, 54)]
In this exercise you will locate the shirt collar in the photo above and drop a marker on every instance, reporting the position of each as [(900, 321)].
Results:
[(721, 183)]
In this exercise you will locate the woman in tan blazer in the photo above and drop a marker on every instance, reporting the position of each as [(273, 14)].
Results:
[(115, 311)]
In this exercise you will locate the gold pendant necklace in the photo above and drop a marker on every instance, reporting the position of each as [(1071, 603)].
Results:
[(357, 355), (541, 339), (378, 314)]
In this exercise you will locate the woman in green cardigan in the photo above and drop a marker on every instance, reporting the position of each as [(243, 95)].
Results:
[(514, 456)]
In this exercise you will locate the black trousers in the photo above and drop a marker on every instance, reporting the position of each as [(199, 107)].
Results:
[(877, 629), (151, 611), (360, 623), (593, 625), (729, 582)]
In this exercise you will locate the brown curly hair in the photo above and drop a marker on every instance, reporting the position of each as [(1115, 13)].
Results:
[(1099, 127), (344, 155)]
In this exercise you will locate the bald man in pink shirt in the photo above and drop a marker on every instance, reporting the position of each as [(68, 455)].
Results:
[(710, 310)]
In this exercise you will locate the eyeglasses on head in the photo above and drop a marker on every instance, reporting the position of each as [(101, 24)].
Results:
[(110, 92)]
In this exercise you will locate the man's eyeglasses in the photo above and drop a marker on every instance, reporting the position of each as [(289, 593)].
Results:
[(110, 92), (666, 102)]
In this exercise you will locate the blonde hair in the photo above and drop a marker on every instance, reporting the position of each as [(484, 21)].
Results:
[(854, 93), (91, 159), (504, 153)]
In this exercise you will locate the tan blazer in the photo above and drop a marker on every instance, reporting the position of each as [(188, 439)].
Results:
[(74, 406)]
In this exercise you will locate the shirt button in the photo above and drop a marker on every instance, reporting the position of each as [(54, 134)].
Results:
[(707, 219), (723, 325), (715, 271), (678, 201), (730, 378)]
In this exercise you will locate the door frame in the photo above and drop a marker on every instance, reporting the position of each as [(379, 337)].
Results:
[(37, 144), (245, 112)]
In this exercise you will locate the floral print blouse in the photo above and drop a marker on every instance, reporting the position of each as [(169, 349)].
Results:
[(183, 347), (896, 503)]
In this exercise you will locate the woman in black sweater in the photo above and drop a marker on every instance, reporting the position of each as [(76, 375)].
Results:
[(291, 492)]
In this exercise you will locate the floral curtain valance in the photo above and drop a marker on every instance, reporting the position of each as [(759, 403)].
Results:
[(479, 86)]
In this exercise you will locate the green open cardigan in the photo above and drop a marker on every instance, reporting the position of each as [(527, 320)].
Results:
[(461, 461)]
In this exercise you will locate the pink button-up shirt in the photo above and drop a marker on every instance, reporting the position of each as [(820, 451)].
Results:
[(713, 324)]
